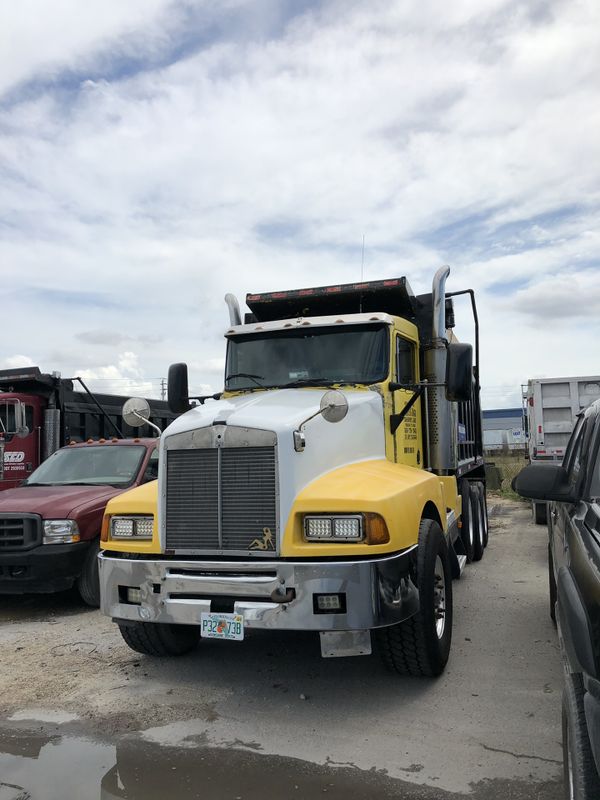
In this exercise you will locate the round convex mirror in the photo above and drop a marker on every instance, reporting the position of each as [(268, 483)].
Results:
[(334, 406), (136, 411)]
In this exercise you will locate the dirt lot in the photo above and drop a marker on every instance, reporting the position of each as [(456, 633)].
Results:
[(269, 717)]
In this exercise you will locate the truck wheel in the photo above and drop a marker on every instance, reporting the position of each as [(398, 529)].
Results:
[(160, 639), (580, 774), (88, 583), (478, 521), (539, 513), (421, 644), (552, 593), (467, 531)]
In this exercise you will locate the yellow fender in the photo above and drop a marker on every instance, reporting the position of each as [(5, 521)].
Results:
[(142, 500), (398, 492)]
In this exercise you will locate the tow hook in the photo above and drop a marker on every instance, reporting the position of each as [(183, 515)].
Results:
[(278, 597)]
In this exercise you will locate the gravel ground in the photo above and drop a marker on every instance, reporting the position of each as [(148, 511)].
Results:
[(489, 727)]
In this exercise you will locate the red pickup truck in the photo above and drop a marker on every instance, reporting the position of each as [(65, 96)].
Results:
[(50, 525)]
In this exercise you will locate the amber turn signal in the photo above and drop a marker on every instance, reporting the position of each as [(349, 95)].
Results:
[(377, 530)]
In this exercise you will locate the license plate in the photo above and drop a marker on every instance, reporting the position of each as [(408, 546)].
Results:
[(222, 626)]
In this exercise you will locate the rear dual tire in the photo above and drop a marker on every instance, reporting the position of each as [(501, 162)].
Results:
[(474, 530)]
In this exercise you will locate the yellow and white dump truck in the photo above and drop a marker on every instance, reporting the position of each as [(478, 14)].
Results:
[(336, 485)]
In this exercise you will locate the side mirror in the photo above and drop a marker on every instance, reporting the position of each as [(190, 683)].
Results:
[(459, 372), (136, 412), (333, 408), (177, 388), (21, 429), (544, 482)]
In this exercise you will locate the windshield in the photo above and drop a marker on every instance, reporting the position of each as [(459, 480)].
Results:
[(347, 354), (90, 466)]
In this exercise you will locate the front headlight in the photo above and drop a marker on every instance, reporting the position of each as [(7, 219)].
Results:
[(131, 527), (368, 528), (60, 531), (333, 528)]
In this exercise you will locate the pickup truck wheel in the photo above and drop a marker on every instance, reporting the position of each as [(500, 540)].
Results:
[(477, 509), (88, 583), (580, 774), (552, 593), (539, 513), (467, 531), (160, 639), (421, 644)]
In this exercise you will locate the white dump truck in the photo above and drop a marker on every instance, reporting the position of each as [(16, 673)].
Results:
[(551, 407)]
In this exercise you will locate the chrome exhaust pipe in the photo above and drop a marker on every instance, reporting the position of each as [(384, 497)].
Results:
[(235, 318), (441, 425)]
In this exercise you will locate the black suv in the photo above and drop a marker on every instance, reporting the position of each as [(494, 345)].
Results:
[(572, 490)]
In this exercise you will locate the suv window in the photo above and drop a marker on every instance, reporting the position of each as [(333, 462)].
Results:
[(151, 471), (595, 477), (577, 456)]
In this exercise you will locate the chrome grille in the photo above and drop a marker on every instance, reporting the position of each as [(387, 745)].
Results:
[(221, 498), (20, 531)]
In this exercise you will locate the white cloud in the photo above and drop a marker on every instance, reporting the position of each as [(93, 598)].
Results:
[(16, 361), (257, 162)]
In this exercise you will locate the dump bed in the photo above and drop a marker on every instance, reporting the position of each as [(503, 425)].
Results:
[(552, 406)]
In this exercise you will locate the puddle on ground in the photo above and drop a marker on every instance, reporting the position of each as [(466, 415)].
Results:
[(43, 715), (56, 767), (52, 766)]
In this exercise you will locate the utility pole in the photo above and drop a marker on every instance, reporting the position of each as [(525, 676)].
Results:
[(163, 389)]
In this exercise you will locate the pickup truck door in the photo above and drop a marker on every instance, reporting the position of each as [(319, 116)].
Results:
[(559, 513), (582, 548)]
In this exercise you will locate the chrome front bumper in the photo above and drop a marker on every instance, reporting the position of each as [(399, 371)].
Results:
[(378, 592)]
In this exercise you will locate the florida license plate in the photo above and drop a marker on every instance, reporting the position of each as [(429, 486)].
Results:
[(222, 626)]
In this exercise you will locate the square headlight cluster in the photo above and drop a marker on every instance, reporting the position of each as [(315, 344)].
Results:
[(131, 527), (347, 528)]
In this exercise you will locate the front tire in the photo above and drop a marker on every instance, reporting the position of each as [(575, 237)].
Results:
[(88, 583), (540, 514), (160, 639), (421, 645), (580, 774)]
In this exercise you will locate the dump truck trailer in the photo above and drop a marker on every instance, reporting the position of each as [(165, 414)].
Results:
[(335, 485), (551, 406), (41, 412)]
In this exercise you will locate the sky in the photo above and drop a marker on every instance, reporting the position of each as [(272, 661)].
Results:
[(157, 154)]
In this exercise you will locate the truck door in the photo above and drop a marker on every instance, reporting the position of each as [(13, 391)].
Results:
[(408, 448)]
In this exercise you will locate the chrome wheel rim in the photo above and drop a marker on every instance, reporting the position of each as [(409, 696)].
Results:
[(470, 533), (439, 597), (481, 522)]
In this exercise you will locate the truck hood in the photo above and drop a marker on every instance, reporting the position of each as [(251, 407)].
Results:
[(278, 410), (360, 436), (56, 502)]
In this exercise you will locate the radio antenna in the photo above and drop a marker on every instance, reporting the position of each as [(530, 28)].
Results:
[(362, 261)]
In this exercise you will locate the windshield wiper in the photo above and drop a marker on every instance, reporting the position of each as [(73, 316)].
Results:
[(308, 382), (246, 375)]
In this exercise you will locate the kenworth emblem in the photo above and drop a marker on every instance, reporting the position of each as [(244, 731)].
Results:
[(265, 543)]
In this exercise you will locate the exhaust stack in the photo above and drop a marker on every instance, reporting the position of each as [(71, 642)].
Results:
[(235, 318), (442, 436)]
